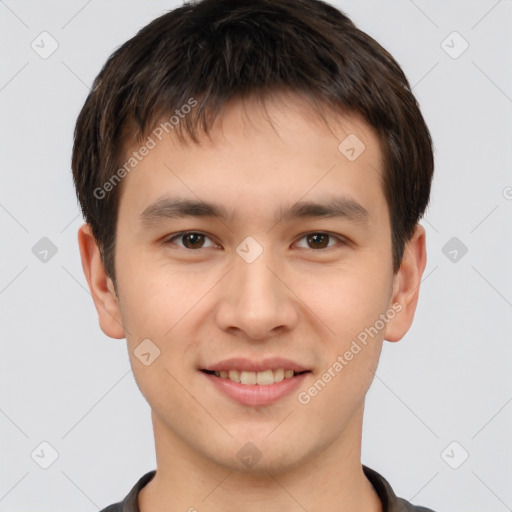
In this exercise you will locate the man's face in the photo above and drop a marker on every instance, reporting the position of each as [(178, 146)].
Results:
[(256, 284)]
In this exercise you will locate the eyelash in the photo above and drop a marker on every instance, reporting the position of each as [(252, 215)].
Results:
[(342, 241)]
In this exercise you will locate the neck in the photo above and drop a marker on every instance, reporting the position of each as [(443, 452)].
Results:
[(331, 479)]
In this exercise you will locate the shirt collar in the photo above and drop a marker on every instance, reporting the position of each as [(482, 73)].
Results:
[(390, 502)]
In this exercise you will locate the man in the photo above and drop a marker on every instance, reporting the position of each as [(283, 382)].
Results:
[(252, 175)]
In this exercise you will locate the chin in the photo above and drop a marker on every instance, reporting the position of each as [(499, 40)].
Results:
[(260, 456)]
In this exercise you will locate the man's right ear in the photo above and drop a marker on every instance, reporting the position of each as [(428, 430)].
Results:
[(100, 285)]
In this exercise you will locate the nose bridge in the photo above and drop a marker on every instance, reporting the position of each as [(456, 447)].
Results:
[(255, 300), (254, 281), (256, 286)]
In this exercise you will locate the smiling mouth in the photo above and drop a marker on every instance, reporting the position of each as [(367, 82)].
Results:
[(264, 378)]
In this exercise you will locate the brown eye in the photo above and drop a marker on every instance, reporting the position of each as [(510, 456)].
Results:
[(320, 240), (193, 240), (189, 240)]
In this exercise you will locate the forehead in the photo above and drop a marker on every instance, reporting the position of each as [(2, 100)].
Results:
[(282, 148)]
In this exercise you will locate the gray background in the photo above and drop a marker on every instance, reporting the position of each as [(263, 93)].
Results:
[(65, 383)]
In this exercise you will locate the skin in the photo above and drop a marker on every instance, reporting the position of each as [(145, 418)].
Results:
[(206, 304)]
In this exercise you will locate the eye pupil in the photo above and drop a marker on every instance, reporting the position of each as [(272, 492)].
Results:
[(314, 238), (194, 237)]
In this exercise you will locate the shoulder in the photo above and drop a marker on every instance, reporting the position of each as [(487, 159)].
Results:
[(405, 506), (129, 503), (116, 507), (390, 502)]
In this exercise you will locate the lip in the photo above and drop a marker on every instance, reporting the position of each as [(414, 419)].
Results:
[(243, 364), (254, 394)]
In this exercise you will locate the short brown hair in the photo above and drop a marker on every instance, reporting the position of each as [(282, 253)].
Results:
[(216, 50)]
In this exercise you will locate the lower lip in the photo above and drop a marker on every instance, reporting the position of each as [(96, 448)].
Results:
[(254, 394)]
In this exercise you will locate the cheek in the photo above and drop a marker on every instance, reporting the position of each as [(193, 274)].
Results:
[(154, 298), (349, 300), (154, 308), (353, 309)]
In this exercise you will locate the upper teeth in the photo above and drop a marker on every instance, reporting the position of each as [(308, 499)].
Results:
[(262, 378)]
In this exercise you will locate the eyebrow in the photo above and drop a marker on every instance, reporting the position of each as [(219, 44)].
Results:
[(175, 208)]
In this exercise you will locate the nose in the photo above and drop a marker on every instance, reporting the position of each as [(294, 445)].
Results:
[(256, 300)]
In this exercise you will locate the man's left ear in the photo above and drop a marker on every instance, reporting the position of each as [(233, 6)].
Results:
[(406, 285)]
